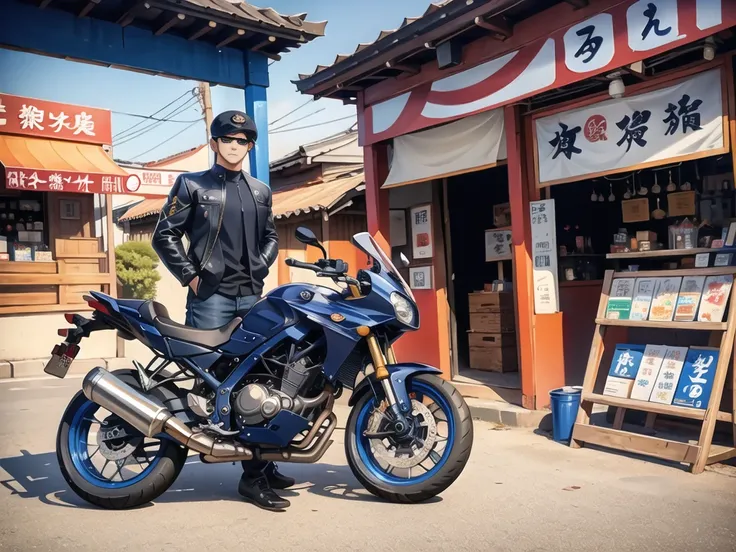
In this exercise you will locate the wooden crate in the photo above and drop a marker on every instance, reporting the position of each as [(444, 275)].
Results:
[(491, 340), (494, 301), (494, 322), (494, 359)]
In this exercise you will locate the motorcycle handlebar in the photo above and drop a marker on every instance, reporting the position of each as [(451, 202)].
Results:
[(299, 264)]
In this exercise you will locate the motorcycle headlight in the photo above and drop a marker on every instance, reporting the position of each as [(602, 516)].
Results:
[(403, 308)]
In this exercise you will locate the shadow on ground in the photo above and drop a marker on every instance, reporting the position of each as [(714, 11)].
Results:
[(37, 476)]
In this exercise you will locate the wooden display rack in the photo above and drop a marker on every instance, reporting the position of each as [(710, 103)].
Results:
[(697, 455)]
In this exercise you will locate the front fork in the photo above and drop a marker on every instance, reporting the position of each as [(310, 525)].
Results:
[(401, 425)]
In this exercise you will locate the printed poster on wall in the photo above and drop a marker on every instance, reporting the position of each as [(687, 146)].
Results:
[(498, 245), (544, 256), (421, 232), (617, 134)]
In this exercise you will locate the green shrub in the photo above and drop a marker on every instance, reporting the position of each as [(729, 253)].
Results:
[(136, 264)]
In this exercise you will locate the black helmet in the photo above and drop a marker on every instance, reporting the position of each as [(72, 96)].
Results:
[(233, 122)]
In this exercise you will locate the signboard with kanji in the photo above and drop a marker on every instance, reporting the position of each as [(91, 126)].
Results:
[(41, 118), (544, 256), (69, 181), (671, 123), (150, 182), (599, 44)]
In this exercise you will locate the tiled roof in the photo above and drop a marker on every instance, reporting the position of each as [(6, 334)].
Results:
[(144, 209), (265, 17), (294, 200), (381, 36), (175, 157), (304, 198)]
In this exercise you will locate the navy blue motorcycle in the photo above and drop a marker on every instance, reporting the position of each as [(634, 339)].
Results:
[(264, 387)]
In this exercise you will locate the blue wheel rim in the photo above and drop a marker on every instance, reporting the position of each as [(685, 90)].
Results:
[(364, 446), (81, 458)]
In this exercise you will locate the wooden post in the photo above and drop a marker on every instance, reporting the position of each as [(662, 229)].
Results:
[(375, 162), (326, 232), (521, 253), (111, 246)]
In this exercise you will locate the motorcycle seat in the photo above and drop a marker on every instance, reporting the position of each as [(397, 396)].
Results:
[(207, 338), (157, 315)]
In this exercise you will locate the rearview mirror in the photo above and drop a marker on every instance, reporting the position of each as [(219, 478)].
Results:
[(307, 237)]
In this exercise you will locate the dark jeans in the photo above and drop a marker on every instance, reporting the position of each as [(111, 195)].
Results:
[(214, 312)]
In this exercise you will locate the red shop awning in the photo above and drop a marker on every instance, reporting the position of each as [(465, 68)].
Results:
[(59, 166)]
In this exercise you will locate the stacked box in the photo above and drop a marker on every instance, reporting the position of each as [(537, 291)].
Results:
[(492, 337)]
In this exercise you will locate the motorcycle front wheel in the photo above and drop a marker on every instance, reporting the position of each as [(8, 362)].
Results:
[(422, 464)]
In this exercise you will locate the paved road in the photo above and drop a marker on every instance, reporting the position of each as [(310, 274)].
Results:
[(520, 492)]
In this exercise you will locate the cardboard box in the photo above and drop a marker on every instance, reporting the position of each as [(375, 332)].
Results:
[(646, 235), (494, 359), (618, 387), (493, 322), (494, 301), (491, 340)]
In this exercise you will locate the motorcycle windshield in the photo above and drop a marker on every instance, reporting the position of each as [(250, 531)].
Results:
[(365, 242)]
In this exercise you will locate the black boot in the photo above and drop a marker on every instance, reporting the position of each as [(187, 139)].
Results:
[(259, 492), (276, 479)]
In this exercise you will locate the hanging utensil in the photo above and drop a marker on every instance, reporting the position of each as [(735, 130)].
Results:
[(601, 199), (671, 186), (627, 194), (643, 190), (658, 213), (611, 196), (656, 189), (594, 195)]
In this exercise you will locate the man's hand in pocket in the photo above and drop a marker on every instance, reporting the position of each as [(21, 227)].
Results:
[(194, 284)]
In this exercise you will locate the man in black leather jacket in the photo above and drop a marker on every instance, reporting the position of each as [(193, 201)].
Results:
[(226, 216)]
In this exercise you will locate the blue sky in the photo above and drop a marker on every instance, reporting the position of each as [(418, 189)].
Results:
[(123, 91)]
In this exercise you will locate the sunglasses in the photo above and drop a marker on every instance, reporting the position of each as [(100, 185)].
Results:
[(240, 141)]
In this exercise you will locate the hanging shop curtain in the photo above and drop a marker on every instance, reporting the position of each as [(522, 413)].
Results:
[(463, 146), (679, 122)]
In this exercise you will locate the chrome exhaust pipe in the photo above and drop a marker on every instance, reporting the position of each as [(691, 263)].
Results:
[(151, 418)]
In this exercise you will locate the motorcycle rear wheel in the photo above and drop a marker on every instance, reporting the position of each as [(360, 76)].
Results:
[(89, 482), (442, 465)]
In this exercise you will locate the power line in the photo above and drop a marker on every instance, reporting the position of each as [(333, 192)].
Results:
[(292, 111), (312, 126), (135, 133), (154, 113), (148, 117), (167, 140), (138, 133), (297, 120)]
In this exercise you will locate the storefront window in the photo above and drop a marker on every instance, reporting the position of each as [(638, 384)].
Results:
[(636, 217), (23, 227)]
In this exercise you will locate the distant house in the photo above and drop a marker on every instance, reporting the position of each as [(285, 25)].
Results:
[(136, 217), (321, 186)]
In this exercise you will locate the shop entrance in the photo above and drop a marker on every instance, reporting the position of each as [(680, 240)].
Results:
[(480, 281)]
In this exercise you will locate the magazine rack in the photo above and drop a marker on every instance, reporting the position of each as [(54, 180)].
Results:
[(697, 455)]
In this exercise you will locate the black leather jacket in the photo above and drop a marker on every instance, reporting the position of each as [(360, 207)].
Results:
[(195, 208)]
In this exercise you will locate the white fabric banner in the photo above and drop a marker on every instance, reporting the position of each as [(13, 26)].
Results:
[(672, 122), (463, 145)]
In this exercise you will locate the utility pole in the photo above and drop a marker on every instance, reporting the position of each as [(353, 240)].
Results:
[(205, 101)]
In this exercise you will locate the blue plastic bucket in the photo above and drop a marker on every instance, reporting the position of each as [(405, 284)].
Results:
[(565, 403)]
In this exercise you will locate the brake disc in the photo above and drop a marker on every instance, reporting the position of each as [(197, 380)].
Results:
[(116, 443), (419, 449)]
